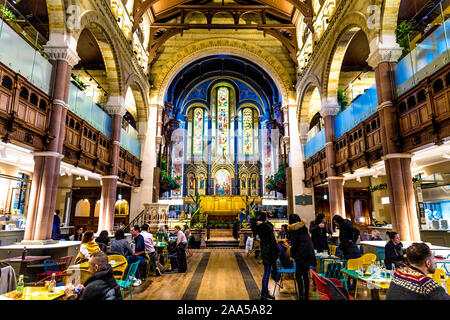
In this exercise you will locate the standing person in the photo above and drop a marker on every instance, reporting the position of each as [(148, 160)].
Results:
[(78, 235), (393, 251), (242, 216), (101, 285), (150, 248), (375, 235), (302, 251), (412, 282), (56, 231), (87, 248), (181, 253), (319, 233), (139, 253), (269, 251), (283, 232), (120, 245), (348, 235)]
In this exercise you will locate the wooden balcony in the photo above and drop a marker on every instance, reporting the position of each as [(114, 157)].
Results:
[(24, 120)]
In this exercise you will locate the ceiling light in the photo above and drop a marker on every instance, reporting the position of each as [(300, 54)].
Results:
[(78, 178), (86, 178)]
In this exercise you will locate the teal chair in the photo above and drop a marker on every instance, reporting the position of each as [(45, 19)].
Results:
[(128, 280), (282, 271)]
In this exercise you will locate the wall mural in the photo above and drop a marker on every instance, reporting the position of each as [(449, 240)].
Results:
[(222, 182)]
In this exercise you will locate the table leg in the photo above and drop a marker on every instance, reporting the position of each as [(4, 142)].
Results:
[(375, 294)]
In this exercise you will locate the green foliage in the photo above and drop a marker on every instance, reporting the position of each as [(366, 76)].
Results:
[(277, 178), (378, 187), (342, 99), (199, 220), (77, 81), (165, 176), (402, 33), (6, 13)]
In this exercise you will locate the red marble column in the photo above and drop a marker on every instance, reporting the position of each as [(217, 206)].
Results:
[(109, 183), (335, 186), (47, 163), (397, 164)]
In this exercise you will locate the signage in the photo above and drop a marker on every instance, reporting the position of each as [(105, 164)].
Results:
[(303, 200)]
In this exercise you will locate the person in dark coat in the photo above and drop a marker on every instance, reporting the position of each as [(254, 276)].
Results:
[(348, 235), (393, 251), (56, 231), (269, 251), (101, 285), (302, 251), (319, 233)]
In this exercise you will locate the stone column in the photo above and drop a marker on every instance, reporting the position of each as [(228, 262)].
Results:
[(335, 186), (47, 163), (114, 107), (383, 59)]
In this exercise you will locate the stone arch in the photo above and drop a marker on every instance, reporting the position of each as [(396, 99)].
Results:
[(354, 22), (140, 96), (209, 47), (304, 94), (389, 16), (98, 26), (196, 16)]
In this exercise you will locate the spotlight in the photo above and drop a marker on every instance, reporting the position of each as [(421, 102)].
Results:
[(78, 178), (86, 178)]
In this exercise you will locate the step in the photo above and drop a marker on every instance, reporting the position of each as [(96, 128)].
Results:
[(222, 244)]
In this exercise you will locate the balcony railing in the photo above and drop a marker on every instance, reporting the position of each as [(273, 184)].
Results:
[(316, 144), (84, 107), (130, 144), (20, 43), (429, 55), (361, 108)]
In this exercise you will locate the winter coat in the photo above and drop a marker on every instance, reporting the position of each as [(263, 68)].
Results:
[(268, 244), (302, 249), (393, 254), (101, 286), (348, 232), (319, 237)]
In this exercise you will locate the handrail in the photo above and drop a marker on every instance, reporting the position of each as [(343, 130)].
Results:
[(139, 220)]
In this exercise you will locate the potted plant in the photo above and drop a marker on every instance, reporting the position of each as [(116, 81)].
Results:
[(166, 181), (402, 32), (277, 182)]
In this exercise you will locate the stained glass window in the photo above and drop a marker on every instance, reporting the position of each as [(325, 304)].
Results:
[(247, 128), (223, 105), (197, 135)]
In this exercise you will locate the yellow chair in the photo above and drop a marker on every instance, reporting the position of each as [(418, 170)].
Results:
[(355, 264), (448, 285), (332, 249), (368, 259), (120, 270), (438, 275)]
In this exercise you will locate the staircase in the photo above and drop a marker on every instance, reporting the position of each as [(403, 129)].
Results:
[(221, 238)]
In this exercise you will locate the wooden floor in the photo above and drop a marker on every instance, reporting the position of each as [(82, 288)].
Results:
[(218, 274)]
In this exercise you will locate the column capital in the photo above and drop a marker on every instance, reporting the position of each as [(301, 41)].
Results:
[(385, 50), (329, 109), (397, 156), (65, 53), (116, 105), (386, 104)]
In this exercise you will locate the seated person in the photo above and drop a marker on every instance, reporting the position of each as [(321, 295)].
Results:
[(161, 235), (375, 235), (120, 245), (393, 251), (78, 235), (103, 240), (139, 253), (101, 285), (150, 249), (87, 248), (187, 231), (412, 282), (282, 234)]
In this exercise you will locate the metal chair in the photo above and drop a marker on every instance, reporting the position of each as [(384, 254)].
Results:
[(282, 271), (323, 287), (118, 271), (128, 281), (64, 262), (331, 268), (51, 267)]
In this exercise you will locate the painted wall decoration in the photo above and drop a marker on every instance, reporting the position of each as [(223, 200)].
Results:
[(198, 131), (254, 185), (223, 132), (222, 182), (201, 184), (191, 184), (244, 185)]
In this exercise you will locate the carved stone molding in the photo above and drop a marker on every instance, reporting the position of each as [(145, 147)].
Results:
[(385, 50), (330, 109), (62, 53), (386, 104), (116, 105)]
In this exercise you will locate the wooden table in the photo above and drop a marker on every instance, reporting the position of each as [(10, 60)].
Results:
[(24, 263), (38, 293), (375, 284)]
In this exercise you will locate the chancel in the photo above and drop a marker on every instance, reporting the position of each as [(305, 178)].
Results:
[(224, 150)]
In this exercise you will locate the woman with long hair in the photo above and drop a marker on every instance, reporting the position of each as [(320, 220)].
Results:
[(393, 251), (87, 248), (269, 251), (78, 235), (302, 251), (103, 240)]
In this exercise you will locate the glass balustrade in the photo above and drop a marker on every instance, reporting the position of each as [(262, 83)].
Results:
[(359, 110), (130, 143), (431, 51), (316, 144), (21, 48), (83, 106)]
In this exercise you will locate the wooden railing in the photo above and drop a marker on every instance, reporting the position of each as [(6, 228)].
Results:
[(24, 120), (423, 115)]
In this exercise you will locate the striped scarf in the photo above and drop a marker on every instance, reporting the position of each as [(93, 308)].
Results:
[(413, 280)]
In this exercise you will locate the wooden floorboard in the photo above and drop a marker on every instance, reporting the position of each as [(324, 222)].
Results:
[(194, 285)]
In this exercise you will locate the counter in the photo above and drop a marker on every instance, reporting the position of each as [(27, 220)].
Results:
[(377, 247), (8, 237), (55, 250)]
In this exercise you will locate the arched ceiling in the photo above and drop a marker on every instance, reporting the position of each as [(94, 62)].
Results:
[(218, 66)]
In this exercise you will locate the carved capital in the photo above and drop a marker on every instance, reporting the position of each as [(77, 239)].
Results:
[(116, 105), (330, 109), (62, 53), (386, 104), (385, 50)]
